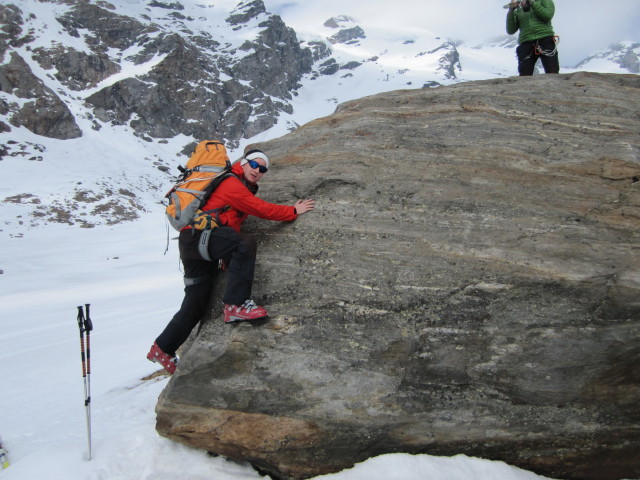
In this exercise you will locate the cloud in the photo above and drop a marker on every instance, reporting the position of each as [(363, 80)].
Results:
[(583, 27)]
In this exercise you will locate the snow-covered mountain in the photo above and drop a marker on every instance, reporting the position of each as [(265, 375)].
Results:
[(619, 58), (108, 97)]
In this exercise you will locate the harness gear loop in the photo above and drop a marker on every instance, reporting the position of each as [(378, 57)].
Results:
[(203, 245), (205, 223), (547, 53)]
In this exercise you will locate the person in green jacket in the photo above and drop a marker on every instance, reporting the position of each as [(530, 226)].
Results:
[(536, 39)]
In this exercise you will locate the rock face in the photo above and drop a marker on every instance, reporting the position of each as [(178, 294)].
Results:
[(469, 283), (199, 88)]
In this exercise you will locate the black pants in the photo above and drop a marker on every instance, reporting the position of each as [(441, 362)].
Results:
[(239, 253), (529, 52)]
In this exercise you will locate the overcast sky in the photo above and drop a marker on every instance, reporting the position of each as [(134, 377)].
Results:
[(584, 26)]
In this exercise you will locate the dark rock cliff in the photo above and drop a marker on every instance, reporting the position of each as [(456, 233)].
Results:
[(200, 88), (469, 283)]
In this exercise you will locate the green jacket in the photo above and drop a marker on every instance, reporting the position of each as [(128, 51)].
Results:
[(534, 24)]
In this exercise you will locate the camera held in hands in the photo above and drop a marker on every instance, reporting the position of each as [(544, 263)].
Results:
[(517, 3)]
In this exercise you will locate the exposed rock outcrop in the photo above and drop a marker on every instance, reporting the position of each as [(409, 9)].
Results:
[(449, 62), (42, 112), (191, 85), (348, 35), (348, 31), (469, 283), (200, 89)]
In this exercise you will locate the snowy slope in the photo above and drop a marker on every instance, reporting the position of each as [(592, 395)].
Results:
[(48, 268)]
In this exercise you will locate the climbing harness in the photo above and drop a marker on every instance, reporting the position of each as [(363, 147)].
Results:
[(539, 51), (548, 53)]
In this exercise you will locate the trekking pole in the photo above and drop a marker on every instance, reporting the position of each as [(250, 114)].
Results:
[(88, 326), (82, 324)]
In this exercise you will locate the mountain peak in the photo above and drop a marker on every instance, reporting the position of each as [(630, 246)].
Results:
[(624, 54), (340, 21), (246, 11)]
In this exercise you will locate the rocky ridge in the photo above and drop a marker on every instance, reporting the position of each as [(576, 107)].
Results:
[(234, 91), (468, 284)]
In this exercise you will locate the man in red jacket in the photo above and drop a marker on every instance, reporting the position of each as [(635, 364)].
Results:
[(200, 251)]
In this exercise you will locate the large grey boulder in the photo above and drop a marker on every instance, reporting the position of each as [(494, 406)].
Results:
[(469, 283)]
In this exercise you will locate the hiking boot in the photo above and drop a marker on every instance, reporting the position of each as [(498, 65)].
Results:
[(168, 362), (240, 313)]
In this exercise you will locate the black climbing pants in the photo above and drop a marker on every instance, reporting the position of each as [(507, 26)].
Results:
[(238, 251), (544, 49)]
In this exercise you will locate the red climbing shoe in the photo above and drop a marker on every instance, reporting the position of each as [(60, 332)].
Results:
[(246, 312), (168, 362)]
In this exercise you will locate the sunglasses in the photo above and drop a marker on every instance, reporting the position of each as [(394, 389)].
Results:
[(254, 164)]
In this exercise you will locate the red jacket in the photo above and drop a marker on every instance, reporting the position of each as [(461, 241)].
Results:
[(242, 203)]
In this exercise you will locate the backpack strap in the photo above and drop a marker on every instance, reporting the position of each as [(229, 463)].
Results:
[(208, 169)]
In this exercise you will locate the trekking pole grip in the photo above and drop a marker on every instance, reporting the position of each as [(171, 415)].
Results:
[(81, 320), (88, 326), (81, 327)]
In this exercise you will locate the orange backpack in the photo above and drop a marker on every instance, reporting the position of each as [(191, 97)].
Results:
[(207, 167)]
